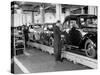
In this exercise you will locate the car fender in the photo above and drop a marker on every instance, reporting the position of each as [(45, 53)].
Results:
[(90, 35)]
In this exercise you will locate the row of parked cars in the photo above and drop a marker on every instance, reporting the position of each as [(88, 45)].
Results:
[(79, 31)]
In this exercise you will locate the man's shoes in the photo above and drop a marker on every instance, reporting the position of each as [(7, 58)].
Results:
[(59, 60)]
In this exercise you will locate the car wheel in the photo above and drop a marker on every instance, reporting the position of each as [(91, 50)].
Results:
[(90, 48), (51, 41)]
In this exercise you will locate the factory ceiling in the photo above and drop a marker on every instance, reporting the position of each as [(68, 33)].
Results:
[(35, 7)]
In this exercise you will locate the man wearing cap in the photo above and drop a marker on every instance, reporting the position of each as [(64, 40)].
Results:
[(57, 40)]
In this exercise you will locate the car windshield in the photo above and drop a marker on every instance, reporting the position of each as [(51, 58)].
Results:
[(48, 27), (36, 27), (88, 22), (70, 24)]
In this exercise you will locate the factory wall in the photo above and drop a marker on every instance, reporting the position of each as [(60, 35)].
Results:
[(26, 17), (22, 18)]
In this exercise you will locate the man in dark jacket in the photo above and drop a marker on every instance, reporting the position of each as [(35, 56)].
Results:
[(25, 32), (57, 41)]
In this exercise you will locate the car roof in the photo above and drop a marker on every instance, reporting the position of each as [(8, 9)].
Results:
[(80, 15)]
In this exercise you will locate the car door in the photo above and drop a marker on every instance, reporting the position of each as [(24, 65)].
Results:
[(75, 35)]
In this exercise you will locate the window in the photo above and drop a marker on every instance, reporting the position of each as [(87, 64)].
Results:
[(88, 22), (73, 23), (66, 25)]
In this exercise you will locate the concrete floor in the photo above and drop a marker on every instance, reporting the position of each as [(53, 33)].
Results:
[(37, 61), (17, 69)]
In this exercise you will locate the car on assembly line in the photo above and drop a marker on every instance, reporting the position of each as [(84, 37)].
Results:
[(80, 32), (47, 37), (34, 32)]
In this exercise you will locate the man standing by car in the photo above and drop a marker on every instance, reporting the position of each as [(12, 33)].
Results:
[(57, 41), (25, 32)]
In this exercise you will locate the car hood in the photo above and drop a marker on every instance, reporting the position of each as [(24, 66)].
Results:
[(90, 29)]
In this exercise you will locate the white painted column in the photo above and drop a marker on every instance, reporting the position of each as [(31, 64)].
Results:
[(20, 19), (20, 12), (92, 10), (42, 14), (58, 12), (96, 10), (24, 19), (12, 20), (16, 20), (67, 12), (82, 10), (32, 17)]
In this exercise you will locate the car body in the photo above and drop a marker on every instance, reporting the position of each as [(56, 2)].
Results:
[(34, 32), (81, 32), (47, 34)]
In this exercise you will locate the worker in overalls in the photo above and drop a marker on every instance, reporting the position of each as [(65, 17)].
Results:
[(57, 41), (25, 32)]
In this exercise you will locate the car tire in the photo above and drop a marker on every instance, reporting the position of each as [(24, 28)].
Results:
[(90, 48)]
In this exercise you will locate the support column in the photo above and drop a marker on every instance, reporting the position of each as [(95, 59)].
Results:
[(82, 10), (12, 20), (92, 10), (32, 17), (67, 12), (58, 12), (42, 14), (96, 10), (25, 19)]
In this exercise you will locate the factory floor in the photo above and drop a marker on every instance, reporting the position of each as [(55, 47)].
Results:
[(34, 61)]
